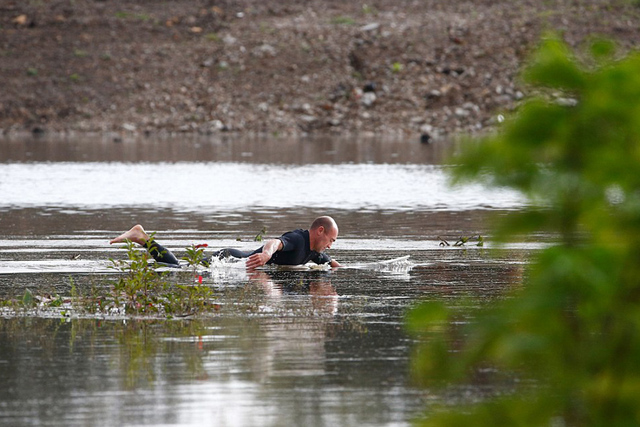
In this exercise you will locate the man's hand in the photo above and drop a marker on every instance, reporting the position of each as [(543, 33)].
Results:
[(257, 260), (261, 258)]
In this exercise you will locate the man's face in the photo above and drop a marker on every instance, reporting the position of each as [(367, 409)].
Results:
[(325, 238)]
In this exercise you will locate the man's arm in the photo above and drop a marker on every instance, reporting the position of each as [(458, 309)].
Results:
[(271, 247), (335, 263)]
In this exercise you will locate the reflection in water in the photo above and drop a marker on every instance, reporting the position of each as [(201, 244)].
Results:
[(293, 151), (323, 296), (66, 372), (286, 347), (270, 361)]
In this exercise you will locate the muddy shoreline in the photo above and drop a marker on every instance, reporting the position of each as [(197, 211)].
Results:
[(383, 67)]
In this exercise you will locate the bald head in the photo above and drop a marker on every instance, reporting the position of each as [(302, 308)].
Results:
[(322, 234), (324, 221)]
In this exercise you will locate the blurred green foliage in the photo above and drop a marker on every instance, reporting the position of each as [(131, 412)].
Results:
[(572, 331)]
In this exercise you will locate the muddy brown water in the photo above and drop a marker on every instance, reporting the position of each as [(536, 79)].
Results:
[(309, 348)]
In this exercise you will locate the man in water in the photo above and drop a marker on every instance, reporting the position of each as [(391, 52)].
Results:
[(292, 248)]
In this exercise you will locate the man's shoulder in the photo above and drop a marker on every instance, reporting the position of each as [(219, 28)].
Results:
[(298, 231), (294, 237)]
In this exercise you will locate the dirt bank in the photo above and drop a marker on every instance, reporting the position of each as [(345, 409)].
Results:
[(279, 66)]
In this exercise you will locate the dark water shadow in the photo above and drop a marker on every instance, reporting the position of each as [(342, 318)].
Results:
[(294, 151)]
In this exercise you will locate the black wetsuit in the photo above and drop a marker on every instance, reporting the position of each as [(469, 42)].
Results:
[(296, 249)]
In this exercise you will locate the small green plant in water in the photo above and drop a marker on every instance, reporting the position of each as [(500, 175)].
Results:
[(260, 236), (28, 300), (195, 255), (144, 290), (138, 288), (195, 259), (463, 240), (187, 300)]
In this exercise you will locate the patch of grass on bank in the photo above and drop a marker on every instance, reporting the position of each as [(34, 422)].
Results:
[(343, 20), (133, 16)]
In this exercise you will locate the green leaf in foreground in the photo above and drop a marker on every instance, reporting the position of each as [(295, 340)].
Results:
[(572, 332)]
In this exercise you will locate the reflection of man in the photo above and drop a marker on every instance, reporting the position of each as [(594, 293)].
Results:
[(324, 298), (292, 248), (304, 304)]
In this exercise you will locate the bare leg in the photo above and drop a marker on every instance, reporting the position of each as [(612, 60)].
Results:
[(139, 236), (136, 235)]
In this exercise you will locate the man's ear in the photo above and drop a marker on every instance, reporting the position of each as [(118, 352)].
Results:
[(321, 229)]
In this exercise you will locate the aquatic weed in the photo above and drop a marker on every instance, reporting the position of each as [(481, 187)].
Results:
[(138, 288)]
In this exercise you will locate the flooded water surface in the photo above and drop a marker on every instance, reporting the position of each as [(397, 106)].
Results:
[(285, 347)]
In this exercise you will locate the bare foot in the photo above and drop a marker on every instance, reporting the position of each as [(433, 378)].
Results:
[(136, 235)]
